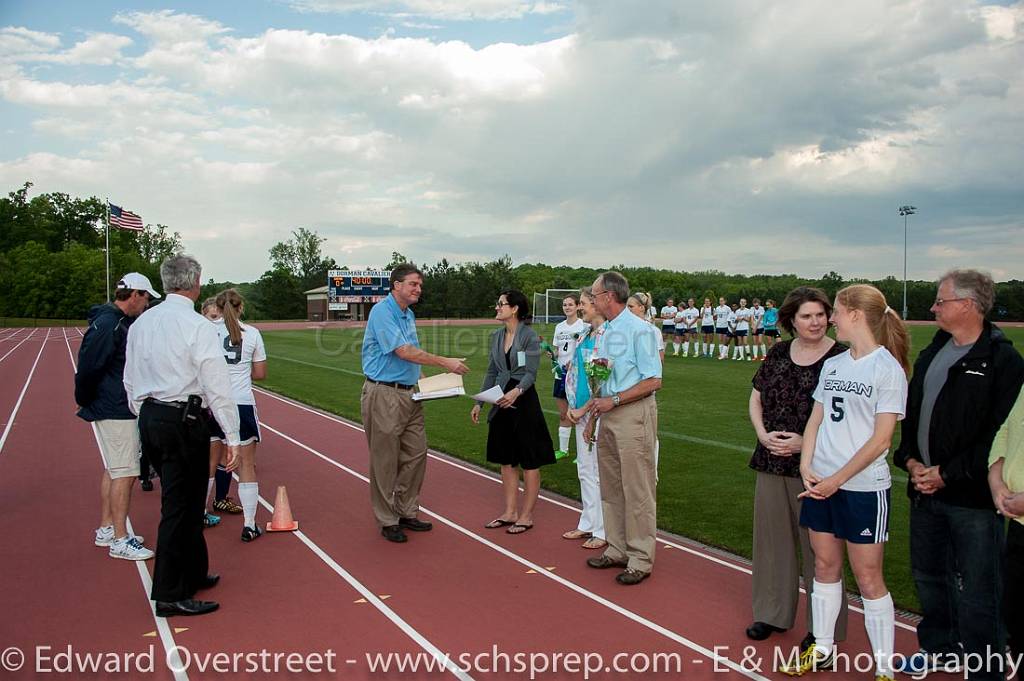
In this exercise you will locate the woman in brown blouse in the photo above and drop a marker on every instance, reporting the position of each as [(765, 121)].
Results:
[(780, 405)]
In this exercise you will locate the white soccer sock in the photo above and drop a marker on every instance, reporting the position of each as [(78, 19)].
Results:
[(675, 346), (754, 348), (764, 352), (723, 351), (826, 602), (564, 432), (686, 348), (249, 494), (209, 489), (880, 622)]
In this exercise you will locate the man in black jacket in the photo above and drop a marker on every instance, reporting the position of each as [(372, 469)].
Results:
[(101, 399), (964, 385)]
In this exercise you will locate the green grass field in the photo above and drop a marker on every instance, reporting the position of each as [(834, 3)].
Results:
[(705, 490)]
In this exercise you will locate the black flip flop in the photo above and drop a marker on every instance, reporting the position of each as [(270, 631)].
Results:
[(518, 529), (498, 522)]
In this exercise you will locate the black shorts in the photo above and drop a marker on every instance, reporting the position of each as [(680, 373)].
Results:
[(740, 334), (707, 328), (857, 517), (722, 331), (248, 426), (774, 333), (559, 390), (759, 331), (680, 331)]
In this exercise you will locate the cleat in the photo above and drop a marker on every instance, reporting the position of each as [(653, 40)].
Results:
[(251, 534), (811, 660), (227, 505), (210, 520)]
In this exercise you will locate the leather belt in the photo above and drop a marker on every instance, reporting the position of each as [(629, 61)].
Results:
[(391, 384), (161, 403)]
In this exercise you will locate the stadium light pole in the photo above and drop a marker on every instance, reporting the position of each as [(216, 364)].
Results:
[(905, 211)]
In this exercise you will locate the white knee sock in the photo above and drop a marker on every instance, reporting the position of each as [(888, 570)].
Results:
[(675, 347), (754, 347), (249, 494), (564, 432), (826, 602), (880, 622), (209, 489), (686, 347), (764, 352)]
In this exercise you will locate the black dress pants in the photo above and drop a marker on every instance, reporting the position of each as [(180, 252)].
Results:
[(180, 454)]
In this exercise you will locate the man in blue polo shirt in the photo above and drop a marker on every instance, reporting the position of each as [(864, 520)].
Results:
[(627, 433), (393, 421)]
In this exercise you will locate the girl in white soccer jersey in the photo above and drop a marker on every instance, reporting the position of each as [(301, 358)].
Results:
[(757, 329), (690, 314), (243, 350), (707, 327), (567, 335), (861, 394), (742, 330), (722, 313), (668, 320)]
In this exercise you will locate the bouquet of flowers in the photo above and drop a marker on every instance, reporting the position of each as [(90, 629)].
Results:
[(556, 370), (597, 369)]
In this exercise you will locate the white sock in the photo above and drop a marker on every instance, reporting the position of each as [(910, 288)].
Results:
[(563, 438), (826, 602), (686, 348), (754, 348), (764, 352), (880, 622), (249, 494), (209, 489)]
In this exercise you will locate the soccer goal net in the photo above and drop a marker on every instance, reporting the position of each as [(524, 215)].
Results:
[(547, 306)]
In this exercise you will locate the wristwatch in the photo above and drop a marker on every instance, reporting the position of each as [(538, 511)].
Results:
[(615, 399)]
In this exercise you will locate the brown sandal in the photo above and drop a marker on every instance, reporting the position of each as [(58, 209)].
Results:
[(576, 534), (594, 543)]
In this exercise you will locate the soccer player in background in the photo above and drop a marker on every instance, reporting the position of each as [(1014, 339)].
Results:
[(707, 327), (722, 313), (668, 320), (567, 335), (757, 328)]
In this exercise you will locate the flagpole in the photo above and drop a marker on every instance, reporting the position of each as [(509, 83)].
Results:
[(107, 279)]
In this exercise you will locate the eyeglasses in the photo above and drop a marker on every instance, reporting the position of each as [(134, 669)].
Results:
[(501, 304), (599, 293), (940, 301)]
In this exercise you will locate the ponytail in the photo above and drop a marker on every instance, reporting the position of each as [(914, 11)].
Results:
[(892, 333), (230, 304), (886, 326)]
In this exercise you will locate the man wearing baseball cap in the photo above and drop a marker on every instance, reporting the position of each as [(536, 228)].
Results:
[(101, 399)]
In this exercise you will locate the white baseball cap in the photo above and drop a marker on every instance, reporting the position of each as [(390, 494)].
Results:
[(137, 282)]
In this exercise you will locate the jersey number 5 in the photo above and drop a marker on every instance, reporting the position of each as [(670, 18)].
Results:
[(837, 410), (232, 353)]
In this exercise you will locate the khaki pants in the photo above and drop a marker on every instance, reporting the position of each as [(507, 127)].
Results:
[(625, 445), (778, 538), (398, 451)]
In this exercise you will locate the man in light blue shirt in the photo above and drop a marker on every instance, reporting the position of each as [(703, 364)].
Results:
[(626, 437), (393, 422)]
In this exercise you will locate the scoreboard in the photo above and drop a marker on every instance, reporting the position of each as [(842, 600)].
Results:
[(356, 286)]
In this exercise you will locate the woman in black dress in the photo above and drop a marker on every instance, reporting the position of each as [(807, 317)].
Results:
[(780, 405), (518, 434)]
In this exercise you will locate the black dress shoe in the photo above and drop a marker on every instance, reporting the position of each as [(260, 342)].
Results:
[(209, 581), (415, 524), (759, 631), (188, 606), (394, 533)]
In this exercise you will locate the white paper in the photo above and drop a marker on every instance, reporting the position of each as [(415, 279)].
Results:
[(438, 387), (521, 358), (491, 395), (438, 394)]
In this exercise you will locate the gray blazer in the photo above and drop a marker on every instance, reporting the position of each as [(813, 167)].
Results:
[(525, 346)]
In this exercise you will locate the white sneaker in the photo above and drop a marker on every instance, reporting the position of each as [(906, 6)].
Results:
[(130, 548), (105, 536)]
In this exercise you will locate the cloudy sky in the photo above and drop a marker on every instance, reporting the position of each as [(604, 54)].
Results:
[(742, 136)]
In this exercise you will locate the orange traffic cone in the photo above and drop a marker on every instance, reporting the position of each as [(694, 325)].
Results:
[(282, 520)]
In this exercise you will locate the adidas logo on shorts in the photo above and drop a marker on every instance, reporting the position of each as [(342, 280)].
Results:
[(866, 533)]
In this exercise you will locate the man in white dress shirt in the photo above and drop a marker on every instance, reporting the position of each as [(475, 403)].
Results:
[(174, 370)]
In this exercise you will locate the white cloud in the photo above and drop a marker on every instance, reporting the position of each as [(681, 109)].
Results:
[(458, 10), (770, 138)]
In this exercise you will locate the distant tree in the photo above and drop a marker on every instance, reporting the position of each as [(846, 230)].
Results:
[(302, 256)]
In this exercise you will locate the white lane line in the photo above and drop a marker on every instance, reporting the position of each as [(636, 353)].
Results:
[(539, 569), (371, 597), (166, 637), (556, 502), (80, 334), (10, 333), (18, 345), (17, 405)]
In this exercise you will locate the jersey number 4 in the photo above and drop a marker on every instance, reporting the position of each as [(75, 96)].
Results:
[(837, 410)]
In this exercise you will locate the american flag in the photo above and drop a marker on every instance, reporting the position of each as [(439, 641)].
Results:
[(124, 219)]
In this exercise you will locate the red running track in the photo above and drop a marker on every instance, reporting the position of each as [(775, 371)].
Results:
[(336, 587)]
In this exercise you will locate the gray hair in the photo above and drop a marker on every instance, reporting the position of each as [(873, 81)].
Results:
[(180, 273), (972, 284), (617, 284)]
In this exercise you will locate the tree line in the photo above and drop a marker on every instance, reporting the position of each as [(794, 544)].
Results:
[(52, 266)]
